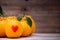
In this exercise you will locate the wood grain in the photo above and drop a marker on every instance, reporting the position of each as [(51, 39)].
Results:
[(46, 13)]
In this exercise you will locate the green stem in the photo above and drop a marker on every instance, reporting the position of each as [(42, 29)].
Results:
[(1, 11)]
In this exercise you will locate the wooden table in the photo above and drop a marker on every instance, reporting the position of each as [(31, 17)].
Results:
[(37, 36)]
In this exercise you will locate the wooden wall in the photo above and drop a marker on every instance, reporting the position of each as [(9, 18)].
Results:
[(46, 13)]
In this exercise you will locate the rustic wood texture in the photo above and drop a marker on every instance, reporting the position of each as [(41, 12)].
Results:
[(46, 13)]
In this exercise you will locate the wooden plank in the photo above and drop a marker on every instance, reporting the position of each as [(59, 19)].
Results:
[(45, 13)]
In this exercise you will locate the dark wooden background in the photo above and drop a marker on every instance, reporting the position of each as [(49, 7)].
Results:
[(46, 13)]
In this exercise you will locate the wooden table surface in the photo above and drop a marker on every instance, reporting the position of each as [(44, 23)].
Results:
[(37, 36)]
